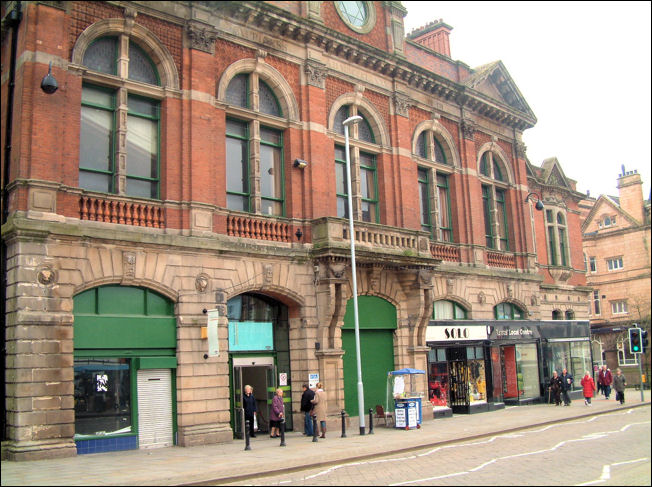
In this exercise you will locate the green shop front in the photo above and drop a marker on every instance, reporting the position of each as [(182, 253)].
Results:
[(124, 369)]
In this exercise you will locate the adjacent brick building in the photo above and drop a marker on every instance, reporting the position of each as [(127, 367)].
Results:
[(616, 235), (191, 169)]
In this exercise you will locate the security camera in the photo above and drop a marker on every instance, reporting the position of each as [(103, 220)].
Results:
[(300, 163)]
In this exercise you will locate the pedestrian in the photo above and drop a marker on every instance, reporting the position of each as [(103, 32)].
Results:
[(277, 414), (588, 387), (555, 387), (605, 379), (319, 408), (249, 404), (566, 386), (619, 386), (306, 406)]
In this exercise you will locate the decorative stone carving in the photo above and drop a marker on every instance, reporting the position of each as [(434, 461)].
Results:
[(374, 278), (424, 279), (220, 297), (128, 266), (201, 282), (316, 73), (520, 149), (337, 270), (533, 300), (46, 275), (268, 274), (202, 37), (468, 129), (510, 290), (402, 106), (449, 285), (482, 298)]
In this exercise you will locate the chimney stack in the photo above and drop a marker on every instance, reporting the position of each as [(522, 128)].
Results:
[(434, 35), (630, 193)]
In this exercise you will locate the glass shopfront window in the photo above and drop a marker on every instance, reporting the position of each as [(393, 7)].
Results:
[(527, 371), (574, 356), (477, 379), (438, 377), (102, 397)]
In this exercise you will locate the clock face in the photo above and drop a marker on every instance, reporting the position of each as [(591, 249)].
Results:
[(355, 13), (359, 16)]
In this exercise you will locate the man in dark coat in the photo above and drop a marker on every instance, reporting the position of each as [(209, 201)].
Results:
[(306, 406), (249, 405), (566, 386)]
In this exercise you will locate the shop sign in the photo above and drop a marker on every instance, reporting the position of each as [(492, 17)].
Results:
[(455, 333), (512, 333)]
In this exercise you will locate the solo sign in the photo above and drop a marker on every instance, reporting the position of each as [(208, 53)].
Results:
[(436, 333)]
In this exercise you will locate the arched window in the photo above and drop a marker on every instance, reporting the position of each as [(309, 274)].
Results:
[(508, 311), (363, 167), (119, 70), (557, 238), (434, 186), (494, 199), (557, 314), (254, 147), (448, 310), (570, 314)]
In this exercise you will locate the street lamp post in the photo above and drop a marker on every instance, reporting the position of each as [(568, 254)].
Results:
[(351, 121)]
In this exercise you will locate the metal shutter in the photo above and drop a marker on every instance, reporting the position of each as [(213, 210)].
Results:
[(154, 408)]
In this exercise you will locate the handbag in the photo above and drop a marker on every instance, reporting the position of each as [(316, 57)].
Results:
[(255, 422)]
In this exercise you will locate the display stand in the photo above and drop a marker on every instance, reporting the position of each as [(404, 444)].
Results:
[(406, 399)]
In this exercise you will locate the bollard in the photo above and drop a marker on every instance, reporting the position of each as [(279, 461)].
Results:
[(246, 435), (343, 423), (282, 432), (371, 421), (314, 429)]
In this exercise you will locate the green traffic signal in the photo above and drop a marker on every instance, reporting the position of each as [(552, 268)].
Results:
[(635, 340)]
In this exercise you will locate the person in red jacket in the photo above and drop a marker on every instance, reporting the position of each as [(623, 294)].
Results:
[(605, 379), (588, 386)]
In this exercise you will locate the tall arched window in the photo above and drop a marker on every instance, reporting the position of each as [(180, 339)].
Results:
[(557, 238), (254, 147), (494, 199), (120, 114), (434, 185), (508, 311), (364, 179)]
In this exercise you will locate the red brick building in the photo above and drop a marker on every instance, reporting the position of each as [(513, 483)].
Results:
[(616, 235), (192, 161)]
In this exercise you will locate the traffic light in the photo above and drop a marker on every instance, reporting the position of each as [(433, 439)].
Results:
[(634, 340), (644, 344)]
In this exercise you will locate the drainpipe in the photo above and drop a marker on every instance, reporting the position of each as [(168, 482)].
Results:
[(12, 20)]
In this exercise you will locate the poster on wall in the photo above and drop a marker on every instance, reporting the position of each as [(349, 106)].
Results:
[(509, 362), (283, 379), (313, 380), (213, 342)]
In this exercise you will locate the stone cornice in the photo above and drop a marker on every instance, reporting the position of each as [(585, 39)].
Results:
[(281, 23)]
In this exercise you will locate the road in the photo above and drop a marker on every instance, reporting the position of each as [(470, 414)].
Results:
[(607, 449)]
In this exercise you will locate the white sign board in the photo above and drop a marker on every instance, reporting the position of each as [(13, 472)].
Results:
[(213, 342), (283, 379), (412, 416), (400, 419), (313, 379), (455, 333)]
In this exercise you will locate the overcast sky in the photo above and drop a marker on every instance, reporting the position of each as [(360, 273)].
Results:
[(582, 67)]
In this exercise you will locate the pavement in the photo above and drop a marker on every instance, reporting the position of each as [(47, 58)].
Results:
[(223, 463)]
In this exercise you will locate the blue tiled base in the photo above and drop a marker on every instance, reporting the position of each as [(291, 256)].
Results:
[(102, 445)]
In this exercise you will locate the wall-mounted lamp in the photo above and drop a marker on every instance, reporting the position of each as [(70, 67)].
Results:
[(317, 345), (298, 234), (49, 84), (539, 204), (300, 163)]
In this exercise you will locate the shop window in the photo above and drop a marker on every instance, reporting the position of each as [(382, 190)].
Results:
[(252, 133), (438, 377), (527, 371), (363, 167), (103, 402), (508, 311), (448, 310), (573, 356), (114, 66), (624, 355), (477, 378), (599, 358)]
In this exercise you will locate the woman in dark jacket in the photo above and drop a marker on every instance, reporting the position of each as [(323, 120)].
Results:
[(555, 387), (249, 405)]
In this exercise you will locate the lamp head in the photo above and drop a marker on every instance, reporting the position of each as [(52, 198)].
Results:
[(539, 205), (352, 120), (300, 163), (49, 84)]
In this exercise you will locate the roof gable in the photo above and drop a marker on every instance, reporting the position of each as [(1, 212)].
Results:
[(494, 81), (605, 206)]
